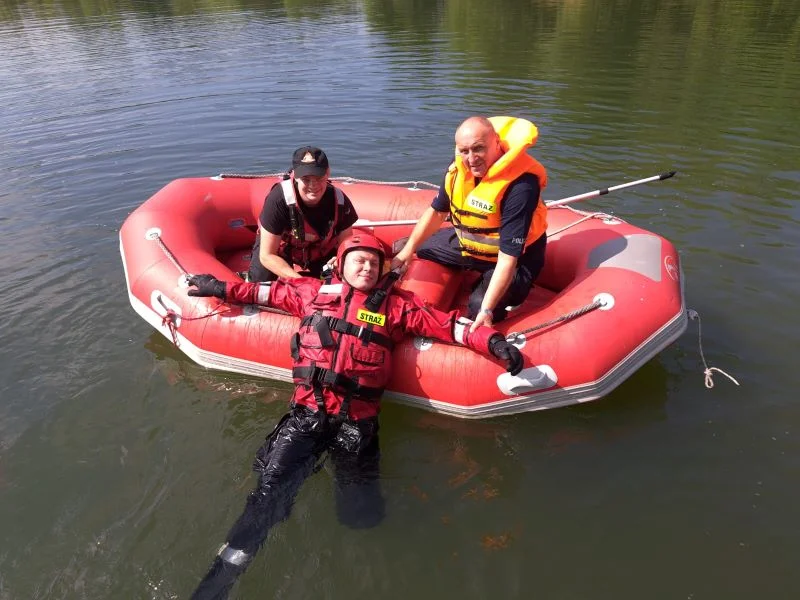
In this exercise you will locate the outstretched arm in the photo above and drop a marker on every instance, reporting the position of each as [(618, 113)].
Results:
[(282, 294), (420, 319)]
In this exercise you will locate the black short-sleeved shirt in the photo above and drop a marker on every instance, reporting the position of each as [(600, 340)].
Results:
[(516, 212), (275, 214)]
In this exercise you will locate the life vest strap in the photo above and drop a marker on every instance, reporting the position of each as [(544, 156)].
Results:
[(477, 253), (378, 294), (325, 377), (322, 326), (485, 230), (341, 326), (468, 213)]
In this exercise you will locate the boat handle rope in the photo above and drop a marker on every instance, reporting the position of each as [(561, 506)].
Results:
[(511, 337), (249, 175), (587, 216), (155, 235), (707, 371), (170, 319), (418, 185), (413, 185)]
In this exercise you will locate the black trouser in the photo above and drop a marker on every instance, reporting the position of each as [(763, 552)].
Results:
[(444, 248), (289, 455), (258, 272)]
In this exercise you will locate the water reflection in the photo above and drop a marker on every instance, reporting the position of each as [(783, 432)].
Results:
[(178, 369)]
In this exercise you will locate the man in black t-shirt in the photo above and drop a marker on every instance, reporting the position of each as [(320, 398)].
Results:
[(303, 220)]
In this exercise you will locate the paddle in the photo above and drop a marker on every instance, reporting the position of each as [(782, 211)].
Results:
[(605, 191), (549, 203)]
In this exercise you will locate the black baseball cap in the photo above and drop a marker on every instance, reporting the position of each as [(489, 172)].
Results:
[(309, 160)]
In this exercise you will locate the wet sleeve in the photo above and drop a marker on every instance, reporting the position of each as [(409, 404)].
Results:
[(441, 203), (347, 215), (419, 318), (283, 294), (275, 214), (522, 197)]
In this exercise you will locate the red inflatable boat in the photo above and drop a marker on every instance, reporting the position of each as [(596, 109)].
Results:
[(609, 299)]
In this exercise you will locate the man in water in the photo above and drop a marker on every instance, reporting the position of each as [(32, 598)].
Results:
[(342, 361)]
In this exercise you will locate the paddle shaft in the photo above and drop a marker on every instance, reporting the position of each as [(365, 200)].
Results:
[(549, 203), (605, 191)]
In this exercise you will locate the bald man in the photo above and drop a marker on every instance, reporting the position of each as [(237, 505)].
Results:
[(492, 192)]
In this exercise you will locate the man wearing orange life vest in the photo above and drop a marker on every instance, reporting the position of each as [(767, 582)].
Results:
[(342, 361), (303, 220), (492, 192)]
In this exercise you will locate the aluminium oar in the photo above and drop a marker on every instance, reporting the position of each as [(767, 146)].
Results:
[(604, 191), (549, 203)]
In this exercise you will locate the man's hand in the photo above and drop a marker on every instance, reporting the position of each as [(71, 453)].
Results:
[(207, 285), (483, 318), (400, 263), (506, 351)]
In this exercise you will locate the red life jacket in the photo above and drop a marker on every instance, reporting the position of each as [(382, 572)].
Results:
[(343, 352), (303, 244)]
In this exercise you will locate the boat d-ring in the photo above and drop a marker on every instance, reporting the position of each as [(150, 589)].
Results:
[(517, 338), (605, 299), (153, 233), (423, 343)]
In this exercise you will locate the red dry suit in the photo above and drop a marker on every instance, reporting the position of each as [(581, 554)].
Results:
[(343, 350)]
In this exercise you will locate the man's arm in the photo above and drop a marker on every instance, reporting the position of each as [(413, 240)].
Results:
[(430, 221), (269, 257), (272, 223), (282, 294), (517, 212), (419, 318), (498, 284), (344, 234)]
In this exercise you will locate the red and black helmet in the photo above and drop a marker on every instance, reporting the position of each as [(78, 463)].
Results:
[(360, 240)]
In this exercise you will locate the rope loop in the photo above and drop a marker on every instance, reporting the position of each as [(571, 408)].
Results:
[(708, 372), (710, 381), (170, 322)]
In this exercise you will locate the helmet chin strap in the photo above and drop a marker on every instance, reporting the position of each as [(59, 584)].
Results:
[(381, 289)]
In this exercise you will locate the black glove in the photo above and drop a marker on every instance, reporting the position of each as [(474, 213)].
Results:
[(506, 351), (207, 285)]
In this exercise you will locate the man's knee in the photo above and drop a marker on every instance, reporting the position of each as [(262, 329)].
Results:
[(442, 247)]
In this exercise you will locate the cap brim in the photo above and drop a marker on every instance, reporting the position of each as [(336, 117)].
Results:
[(315, 170)]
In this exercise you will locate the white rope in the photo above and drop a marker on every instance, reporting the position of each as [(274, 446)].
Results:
[(414, 185), (708, 371), (587, 216)]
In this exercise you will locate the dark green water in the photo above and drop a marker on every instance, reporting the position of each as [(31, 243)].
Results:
[(122, 464)]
